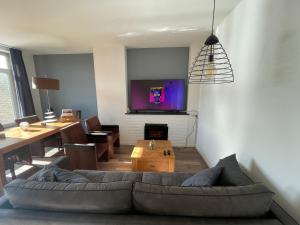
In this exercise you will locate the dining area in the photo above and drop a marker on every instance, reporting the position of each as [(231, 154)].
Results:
[(16, 145), (85, 145), (45, 114)]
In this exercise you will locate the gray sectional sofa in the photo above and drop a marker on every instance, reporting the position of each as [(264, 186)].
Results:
[(136, 198)]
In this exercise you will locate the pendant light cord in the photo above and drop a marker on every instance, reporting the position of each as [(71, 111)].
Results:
[(213, 18)]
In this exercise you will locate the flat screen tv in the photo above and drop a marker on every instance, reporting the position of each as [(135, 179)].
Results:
[(157, 95)]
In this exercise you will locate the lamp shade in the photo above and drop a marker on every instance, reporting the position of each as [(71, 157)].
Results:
[(212, 65), (45, 83)]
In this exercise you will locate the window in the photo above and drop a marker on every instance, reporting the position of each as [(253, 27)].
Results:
[(8, 100)]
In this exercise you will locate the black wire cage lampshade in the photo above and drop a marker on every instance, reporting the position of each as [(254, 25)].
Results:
[(212, 65)]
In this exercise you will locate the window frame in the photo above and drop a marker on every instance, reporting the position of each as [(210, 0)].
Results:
[(12, 88)]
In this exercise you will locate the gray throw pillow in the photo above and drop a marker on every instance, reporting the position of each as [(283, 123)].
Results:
[(204, 178), (232, 174), (67, 176), (44, 175), (52, 173)]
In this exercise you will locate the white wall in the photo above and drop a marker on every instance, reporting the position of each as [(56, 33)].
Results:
[(257, 117), (111, 84), (110, 77), (30, 69), (193, 98)]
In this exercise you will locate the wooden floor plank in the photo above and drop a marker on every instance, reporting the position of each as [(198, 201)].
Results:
[(187, 160)]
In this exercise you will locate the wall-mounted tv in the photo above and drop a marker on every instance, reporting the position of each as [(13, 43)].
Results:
[(158, 95)]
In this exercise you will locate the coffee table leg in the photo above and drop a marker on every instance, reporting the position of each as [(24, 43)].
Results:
[(171, 165), (2, 175), (134, 164)]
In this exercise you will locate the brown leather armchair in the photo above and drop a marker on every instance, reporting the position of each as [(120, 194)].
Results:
[(19, 155), (84, 150), (93, 125), (38, 148)]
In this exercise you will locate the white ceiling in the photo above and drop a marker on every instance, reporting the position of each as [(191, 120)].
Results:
[(73, 26)]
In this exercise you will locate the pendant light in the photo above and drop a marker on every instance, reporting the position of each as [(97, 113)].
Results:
[(211, 66)]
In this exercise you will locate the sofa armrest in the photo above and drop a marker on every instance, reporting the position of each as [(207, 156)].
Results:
[(113, 128), (98, 137), (75, 146), (4, 203)]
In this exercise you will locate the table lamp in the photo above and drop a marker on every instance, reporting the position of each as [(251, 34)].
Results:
[(43, 83)]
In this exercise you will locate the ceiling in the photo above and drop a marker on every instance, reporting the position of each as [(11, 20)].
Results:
[(76, 26)]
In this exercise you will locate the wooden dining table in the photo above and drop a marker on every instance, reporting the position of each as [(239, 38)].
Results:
[(16, 138)]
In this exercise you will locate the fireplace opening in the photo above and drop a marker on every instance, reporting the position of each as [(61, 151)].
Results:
[(156, 131)]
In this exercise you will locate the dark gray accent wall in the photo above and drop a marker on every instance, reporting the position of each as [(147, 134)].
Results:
[(156, 63), (77, 82)]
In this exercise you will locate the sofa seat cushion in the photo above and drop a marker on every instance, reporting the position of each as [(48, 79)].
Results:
[(232, 174), (110, 176), (204, 178), (168, 179), (245, 201), (112, 197)]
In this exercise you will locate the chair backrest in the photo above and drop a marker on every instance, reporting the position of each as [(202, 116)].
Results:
[(1, 127), (93, 124), (73, 134), (29, 119), (77, 113)]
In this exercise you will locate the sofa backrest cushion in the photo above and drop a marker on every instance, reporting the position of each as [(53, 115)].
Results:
[(168, 179), (113, 197), (110, 176), (232, 174), (244, 201)]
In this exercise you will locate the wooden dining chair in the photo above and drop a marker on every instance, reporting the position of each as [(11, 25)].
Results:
[(38, 148), (19, 155), (84, 150)]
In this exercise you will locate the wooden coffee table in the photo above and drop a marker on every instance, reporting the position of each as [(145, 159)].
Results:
[(144, 159)]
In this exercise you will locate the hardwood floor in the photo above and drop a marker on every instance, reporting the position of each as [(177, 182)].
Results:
[(187, 160)]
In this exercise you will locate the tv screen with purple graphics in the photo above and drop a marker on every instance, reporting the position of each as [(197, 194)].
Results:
[(158, 95)]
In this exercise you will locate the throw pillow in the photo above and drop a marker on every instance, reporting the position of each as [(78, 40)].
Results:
[(232, 174), (44, 175), (204, 178), (67, 176), (52, 173)]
